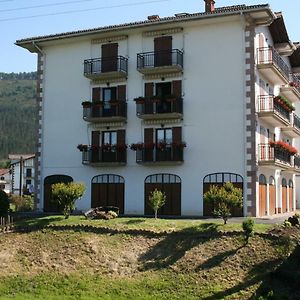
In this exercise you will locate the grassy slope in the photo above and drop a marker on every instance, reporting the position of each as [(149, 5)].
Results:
[(56, 264)]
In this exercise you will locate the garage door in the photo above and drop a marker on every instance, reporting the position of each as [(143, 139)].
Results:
[(272, 196), (262, 196), (108, 190), (49, 204), (291, 196), (284, 195), (169, 184)]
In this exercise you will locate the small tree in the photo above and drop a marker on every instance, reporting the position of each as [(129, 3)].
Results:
[(4, 204), (157, 199), (248, 227), (224, 199), (66, 194)]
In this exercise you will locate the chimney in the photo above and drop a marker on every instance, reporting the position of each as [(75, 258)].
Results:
[(209, 6), (153, 18)]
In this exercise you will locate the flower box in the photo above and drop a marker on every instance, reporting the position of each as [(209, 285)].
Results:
[(284, 147)]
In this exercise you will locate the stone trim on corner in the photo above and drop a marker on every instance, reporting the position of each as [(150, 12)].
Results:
[(251, 168)]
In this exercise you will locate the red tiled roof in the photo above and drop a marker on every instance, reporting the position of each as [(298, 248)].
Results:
[(4, 171), (221, 11)]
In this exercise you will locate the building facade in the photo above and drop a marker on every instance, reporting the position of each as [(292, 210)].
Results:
[(177, 103), (5, 183)]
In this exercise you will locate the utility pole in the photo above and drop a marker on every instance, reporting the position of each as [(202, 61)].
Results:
[(21, 173)]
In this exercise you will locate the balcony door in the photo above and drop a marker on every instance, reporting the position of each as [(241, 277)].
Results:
[(164, 138), (163, 90), (163, 51), (109, 57), (108, 94)]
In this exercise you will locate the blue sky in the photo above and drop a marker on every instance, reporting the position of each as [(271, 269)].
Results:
[(97, 13)]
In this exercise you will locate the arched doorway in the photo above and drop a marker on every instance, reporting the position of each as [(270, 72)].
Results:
[(272, 196), (108, 190), (49, 205), (169, 184), (291, 196), (218, 179), (262, 195), (284, 195)]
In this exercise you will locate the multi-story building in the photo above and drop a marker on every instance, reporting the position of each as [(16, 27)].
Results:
[(22, 173), (5, 184), (176, 103)]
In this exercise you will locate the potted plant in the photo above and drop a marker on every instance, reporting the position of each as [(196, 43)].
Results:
[(139, 100), (86, 104), (179, 145), (82, 148), (137, 146)]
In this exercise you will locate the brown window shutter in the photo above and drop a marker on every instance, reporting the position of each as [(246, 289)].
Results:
[(109, 50), (177, 88), (149, 89), (95, 138), (96, 94), (163, 43), (177, 134), (121, 92), (148, 135), (121, 137)]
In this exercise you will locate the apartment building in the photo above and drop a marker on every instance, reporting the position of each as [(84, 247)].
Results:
[(5, 180), (176, 103)]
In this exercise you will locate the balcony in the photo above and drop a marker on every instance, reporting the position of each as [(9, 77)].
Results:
[(272, 111), (102, 112), (274, 157), (293, 130), (291, 90), (167, 154), (155, 108), (297, 163), (272, 66), (160, 62), (110, 155), (106, 68)]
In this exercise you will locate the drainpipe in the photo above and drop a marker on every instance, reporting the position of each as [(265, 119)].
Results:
[(38, 48)]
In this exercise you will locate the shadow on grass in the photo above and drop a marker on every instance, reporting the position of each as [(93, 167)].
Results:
[(175, 245), (134, 221), (37, 223)]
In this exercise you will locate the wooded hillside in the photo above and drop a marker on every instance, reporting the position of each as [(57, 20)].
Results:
[(17, 113)]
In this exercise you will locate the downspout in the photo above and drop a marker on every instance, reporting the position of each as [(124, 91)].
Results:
[(38, 48)]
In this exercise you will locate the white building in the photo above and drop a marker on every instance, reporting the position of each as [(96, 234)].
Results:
[(22, 173), (5, 184), (206, 81)]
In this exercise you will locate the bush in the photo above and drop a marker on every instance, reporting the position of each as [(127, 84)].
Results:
[(293, 220), (286, 224), (22, 204), (248, 227), (4, 204), (66, 194), (157, 200)]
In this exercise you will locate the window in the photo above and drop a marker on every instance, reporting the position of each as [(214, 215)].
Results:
[(109, 137), (108, 94), (28, 173), (2, 178), (164, 135), (28, 182), (163, 89)]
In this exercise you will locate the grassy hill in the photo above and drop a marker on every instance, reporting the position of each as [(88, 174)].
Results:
[(18, 113), (144, 259)]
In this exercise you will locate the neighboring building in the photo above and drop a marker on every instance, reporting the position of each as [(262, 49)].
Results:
[(213, 82), (5, 184), (22, 173)]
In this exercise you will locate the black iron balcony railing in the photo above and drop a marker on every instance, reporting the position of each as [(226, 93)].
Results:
[(297, 161), (268, 104), (95, 155), (103, 65), (146, 106), (269, 55), (295, 81), (296, 121), (160, 59), (268, 153), (94, 110), (168, 154)]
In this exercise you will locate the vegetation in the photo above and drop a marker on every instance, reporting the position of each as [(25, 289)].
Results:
[(18, 113), (157, 200), (66, 194), (248, 227), (224, 199), (4, 204), (22, 204)]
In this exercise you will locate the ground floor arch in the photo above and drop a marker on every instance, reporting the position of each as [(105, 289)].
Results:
[(170, 184), (49, 204)]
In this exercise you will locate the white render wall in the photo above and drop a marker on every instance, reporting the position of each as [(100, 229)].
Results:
[(213, 125)]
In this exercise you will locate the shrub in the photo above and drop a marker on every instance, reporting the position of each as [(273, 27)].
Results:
[(157, 199), (224, 199), (293, 220), (4, 204), (248, 227), (66, 194), (285, 246), (22, 204), (286, 224)]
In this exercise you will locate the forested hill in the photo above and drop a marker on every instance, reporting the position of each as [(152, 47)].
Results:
[(17, 113)]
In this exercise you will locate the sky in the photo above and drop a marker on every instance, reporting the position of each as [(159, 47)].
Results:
[(22, 19)]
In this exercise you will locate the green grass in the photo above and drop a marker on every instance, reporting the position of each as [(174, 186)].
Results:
[(149, 224)]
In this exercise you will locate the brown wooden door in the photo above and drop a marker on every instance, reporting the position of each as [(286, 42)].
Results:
[(272, 199), (149, 92), (163, 51), (95, 146), (262, 200), (291, 195), (109, 57), (49, 204), (284, 199), (172, 191), (108, 194)]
